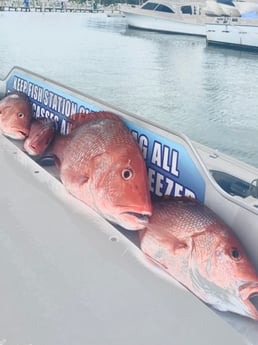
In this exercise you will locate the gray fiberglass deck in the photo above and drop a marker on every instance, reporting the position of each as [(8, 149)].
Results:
[(69, 277)]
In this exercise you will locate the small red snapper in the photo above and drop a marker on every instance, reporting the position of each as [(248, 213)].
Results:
[(194, 246), (41, 134), (15, 116), (102, 165)]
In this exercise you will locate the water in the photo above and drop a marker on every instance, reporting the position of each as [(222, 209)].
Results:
[(179, 82)]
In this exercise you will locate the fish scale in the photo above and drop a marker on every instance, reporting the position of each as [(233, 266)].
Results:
[(194, 217), (101, 134)]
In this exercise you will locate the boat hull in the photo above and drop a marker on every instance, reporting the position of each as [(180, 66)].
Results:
[(241, 36), (169, 23)]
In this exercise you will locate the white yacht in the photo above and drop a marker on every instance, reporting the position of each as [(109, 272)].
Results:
[(241, 33), (184, 17), (168, 16)]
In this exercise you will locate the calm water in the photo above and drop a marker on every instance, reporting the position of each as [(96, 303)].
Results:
[(209, 93)]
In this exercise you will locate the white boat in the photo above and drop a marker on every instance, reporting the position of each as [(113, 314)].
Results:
[(182, 17), (230, 8), (245, 7), (217, 8), (241, 33), (69, 276)]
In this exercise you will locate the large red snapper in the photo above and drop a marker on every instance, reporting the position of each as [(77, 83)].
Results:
[(194, 246), (102, 165), (15, 116)]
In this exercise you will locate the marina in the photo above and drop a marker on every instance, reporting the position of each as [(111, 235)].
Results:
[(58, 6), (156, 69)]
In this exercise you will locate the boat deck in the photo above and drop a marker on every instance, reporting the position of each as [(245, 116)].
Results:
[(68, 276)]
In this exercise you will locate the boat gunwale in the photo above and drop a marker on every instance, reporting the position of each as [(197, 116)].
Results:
[(191, 146)]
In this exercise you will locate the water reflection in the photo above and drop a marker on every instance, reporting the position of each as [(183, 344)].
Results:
[(177, 81)]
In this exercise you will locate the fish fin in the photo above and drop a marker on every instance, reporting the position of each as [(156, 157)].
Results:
[(175, 248), (78, 119), (174, 245), (73, 181), (82, 180), (156, 261)]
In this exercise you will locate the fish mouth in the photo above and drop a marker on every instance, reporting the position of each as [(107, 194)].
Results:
[(135, 220), (38, 146), (249, 295), (144, 218), (23, 134), (31, 150), (16, 134)]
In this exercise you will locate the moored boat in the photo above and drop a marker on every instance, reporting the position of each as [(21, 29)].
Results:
[(217, 8), (183, 17), (168, 16), (241, 33), (64, 264), (246, 7)]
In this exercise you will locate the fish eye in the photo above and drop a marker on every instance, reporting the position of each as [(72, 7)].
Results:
[(235, 253), (127, 174), (20, 115)]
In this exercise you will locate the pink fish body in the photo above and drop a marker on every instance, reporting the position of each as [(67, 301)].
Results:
[(194, 246), (102, 165), (15, 116), (41, 134)]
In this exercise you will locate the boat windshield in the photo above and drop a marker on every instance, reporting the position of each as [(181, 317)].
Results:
[(163, 8), (226, 2), (150, 6), (153, 6)]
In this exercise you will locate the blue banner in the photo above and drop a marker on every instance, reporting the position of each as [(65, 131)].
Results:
[(171, 169)]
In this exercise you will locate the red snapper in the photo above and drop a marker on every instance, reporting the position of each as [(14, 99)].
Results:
[(15, 116), (102, 165), (194, 246), (41, 134)]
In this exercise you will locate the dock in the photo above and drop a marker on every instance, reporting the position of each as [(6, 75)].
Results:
[(62, 6)]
